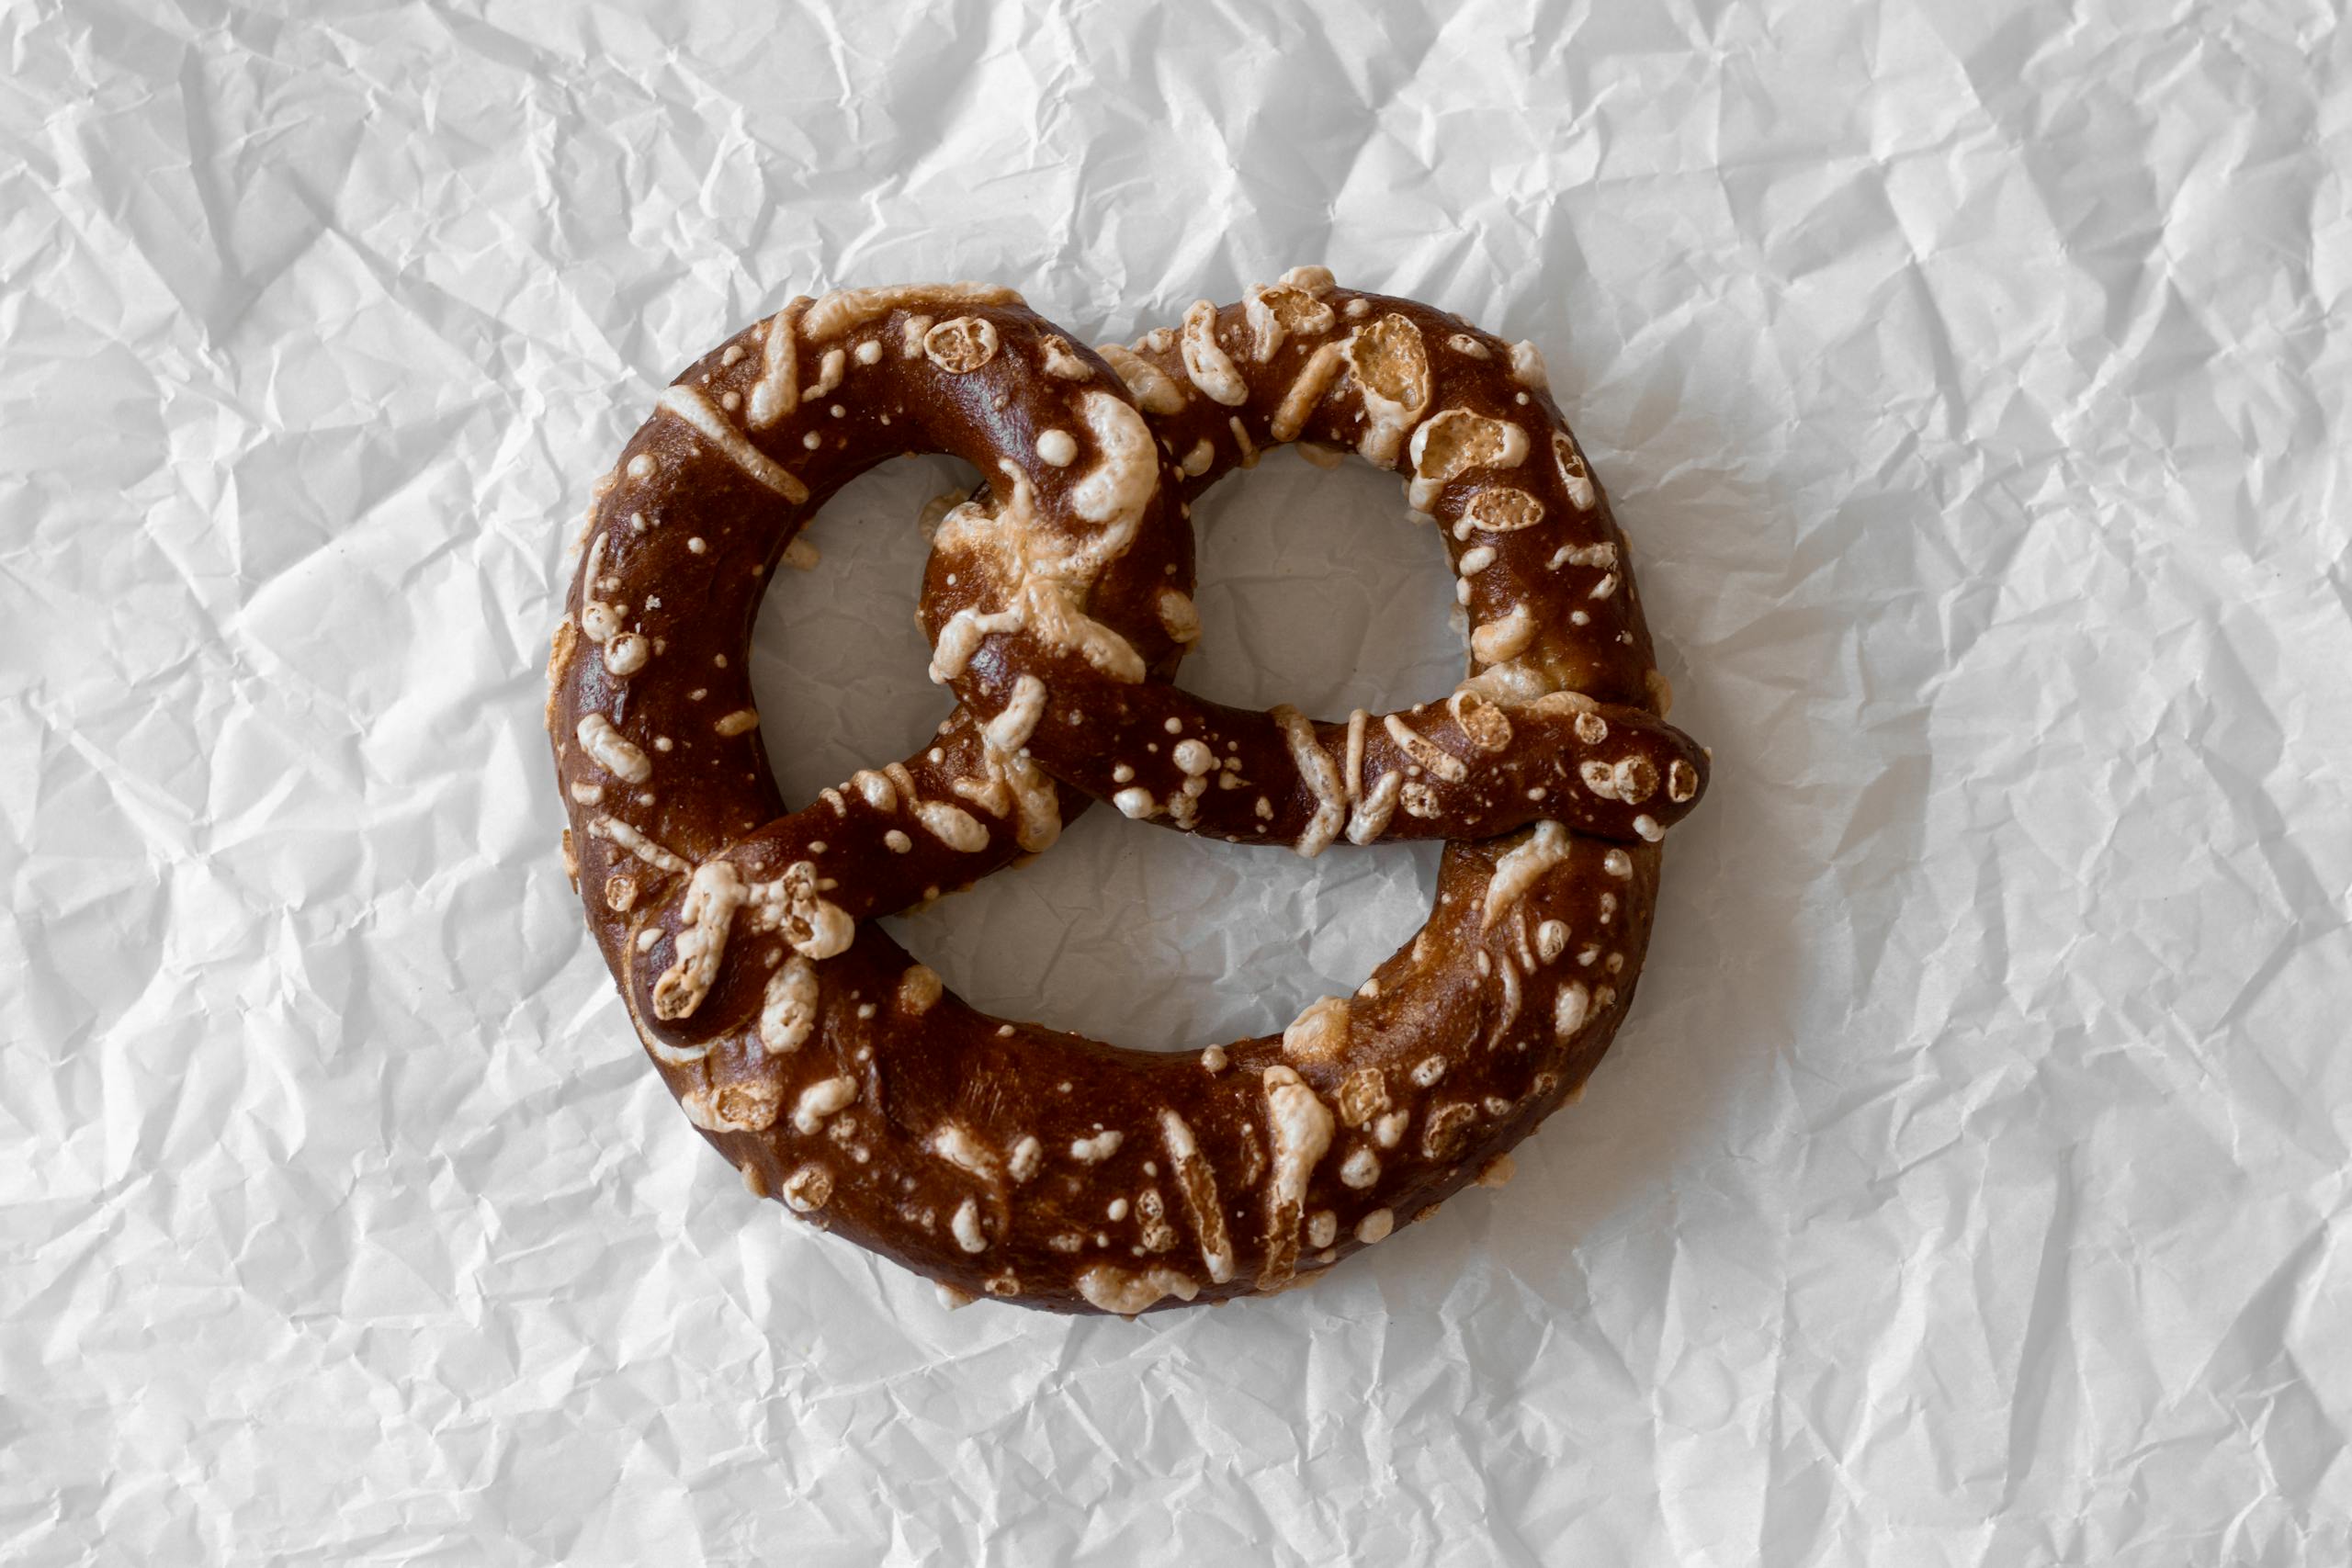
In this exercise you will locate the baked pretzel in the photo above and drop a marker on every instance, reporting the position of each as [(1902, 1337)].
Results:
[(1006, 1159)]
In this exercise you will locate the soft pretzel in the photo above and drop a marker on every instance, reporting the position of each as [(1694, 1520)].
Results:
[(1002, 1158)]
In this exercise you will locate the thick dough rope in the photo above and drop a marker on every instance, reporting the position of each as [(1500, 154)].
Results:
[(653, 711), (1557, 718), (994, 1157)]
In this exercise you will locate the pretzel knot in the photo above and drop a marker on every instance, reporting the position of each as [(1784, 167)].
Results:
[(1005, 1158)]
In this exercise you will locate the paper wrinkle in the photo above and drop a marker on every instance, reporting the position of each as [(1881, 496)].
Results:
[(1969, 1186)]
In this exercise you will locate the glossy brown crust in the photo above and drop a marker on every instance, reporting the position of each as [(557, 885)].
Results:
[(1551, 597), (1005, 1158)]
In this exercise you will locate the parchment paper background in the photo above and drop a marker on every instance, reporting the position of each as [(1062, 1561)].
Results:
[(1971, 1185)]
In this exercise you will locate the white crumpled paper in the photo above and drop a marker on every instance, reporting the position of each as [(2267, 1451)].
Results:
[(1970, 1186)]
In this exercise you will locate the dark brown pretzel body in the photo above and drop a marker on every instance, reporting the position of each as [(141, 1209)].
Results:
[(1006, 1159)]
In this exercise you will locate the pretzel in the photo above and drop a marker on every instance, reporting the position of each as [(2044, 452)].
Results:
[(1005, 1158)]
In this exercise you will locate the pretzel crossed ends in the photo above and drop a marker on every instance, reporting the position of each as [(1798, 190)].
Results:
[(1004, 1158)]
